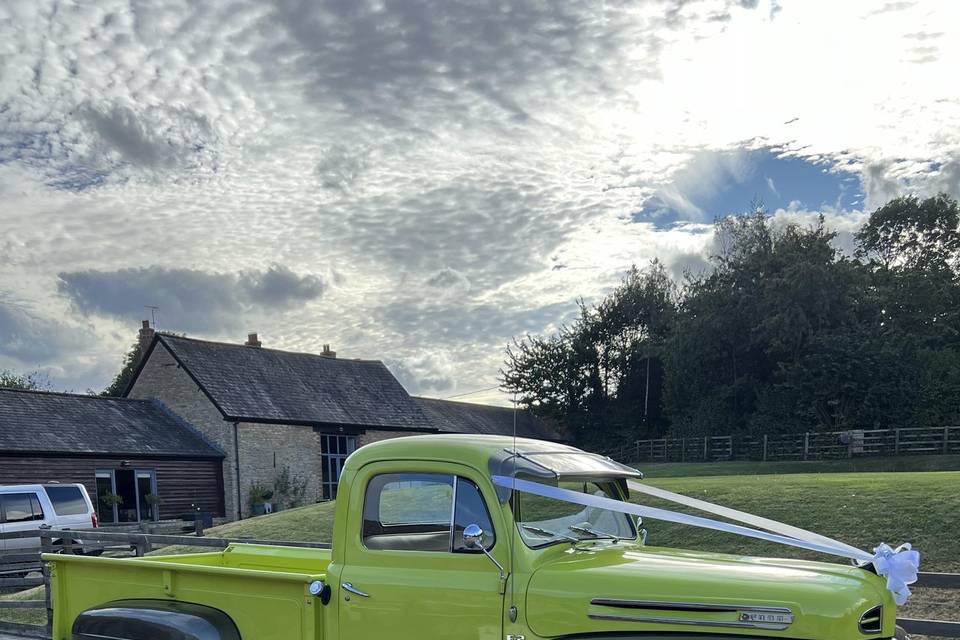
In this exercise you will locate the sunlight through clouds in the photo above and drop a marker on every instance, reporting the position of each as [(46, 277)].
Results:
[(450, 173)]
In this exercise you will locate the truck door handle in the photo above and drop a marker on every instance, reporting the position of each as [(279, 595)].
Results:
[(352, 589), (45, 527)]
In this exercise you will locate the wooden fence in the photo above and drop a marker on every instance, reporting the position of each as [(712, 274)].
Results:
[(17, 570), (814, 445)]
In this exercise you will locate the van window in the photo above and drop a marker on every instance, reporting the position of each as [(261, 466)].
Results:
[(67, 501), (20, 507)]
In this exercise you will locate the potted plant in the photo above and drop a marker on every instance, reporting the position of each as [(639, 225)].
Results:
[(154, 501), (257, 500), (267, 504), (290, 489), (110, 500)]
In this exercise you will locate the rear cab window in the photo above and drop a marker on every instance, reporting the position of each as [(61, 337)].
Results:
[(20, 507), (422, 512), (67, 500)]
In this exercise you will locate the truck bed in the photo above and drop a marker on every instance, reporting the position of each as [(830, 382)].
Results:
[(264, 589)]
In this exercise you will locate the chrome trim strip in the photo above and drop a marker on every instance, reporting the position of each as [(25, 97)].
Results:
[(686, 606), (453, 512), (696, 623)]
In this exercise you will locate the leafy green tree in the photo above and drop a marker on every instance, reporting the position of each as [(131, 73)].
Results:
[(913, 234), (119, 383), (602, 375), (33, 380), (785, 334)]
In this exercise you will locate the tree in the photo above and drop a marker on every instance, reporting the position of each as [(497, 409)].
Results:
[(120, 382), (33, 380), (786, 334), (909, 233), (602, 375)]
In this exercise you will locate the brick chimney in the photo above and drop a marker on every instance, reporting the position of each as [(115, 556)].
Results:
[(252, 341), (146, 337), (327, 352)]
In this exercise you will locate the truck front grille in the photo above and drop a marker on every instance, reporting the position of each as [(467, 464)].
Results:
[(871, 622)]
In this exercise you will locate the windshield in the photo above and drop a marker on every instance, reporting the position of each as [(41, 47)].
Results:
[(543, 521)]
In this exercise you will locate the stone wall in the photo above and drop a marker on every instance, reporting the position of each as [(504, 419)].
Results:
[(163, 379), (371, 436), (265, 449)]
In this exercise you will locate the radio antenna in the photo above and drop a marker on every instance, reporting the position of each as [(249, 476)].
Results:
[(515, 504)]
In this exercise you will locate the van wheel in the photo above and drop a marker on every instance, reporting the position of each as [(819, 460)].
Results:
[(900, 634)]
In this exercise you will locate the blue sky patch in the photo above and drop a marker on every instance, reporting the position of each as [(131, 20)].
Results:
[(718, 183)]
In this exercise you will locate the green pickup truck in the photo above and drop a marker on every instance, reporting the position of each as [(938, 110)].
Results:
[(427, 546)]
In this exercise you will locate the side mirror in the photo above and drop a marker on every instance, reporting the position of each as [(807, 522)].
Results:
[(473, 539)]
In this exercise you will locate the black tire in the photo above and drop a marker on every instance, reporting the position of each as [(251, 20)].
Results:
[(900, 634)]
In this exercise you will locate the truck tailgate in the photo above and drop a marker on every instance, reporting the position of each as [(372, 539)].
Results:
[(260, 588)]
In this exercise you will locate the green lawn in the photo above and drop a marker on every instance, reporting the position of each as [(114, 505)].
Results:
[(24, 616), (654, 470), (862, 509)]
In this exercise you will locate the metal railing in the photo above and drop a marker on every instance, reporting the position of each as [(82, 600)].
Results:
[(16, 568), (813, 445)]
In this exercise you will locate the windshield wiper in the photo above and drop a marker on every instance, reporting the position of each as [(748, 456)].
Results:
[(548, 534), (593, 532)]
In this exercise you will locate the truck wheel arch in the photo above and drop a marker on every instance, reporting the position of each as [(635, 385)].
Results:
[(152, 619)]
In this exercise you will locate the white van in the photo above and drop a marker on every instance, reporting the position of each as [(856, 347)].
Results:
[(57, 507)]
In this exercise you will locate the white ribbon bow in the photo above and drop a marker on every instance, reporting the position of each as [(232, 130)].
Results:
[(899, 566)]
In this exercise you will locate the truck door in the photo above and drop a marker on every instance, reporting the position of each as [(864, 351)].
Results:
[(407, 574)]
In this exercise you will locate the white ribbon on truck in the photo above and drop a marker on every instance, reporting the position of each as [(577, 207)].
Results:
[(899, 566)]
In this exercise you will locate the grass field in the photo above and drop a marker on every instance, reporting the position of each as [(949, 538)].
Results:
[(862, 509), (653, 470)]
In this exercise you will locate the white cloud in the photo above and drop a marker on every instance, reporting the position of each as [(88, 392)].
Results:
[(461, 171)]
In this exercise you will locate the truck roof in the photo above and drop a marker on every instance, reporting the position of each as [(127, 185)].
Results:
[(502, 455)]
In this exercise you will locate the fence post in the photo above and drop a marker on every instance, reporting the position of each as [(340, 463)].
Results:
[(896, 442), (46, 546), (705, 448), (683, 449), (637, 444), (143, 546), (946, 440), (806, 445)]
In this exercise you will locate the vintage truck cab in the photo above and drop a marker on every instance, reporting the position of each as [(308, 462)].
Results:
[(426, 545)]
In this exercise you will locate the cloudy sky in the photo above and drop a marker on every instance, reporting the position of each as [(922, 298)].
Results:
[(420, 180)]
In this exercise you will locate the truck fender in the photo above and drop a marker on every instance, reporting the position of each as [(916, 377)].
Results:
[(154, 620)]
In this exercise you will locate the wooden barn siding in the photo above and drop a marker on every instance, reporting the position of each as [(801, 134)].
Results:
[(180, 482)]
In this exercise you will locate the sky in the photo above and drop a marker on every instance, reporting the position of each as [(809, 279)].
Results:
[(420, 181)]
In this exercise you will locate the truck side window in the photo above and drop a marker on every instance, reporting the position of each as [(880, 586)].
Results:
[(471, 509), (408, 512)]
